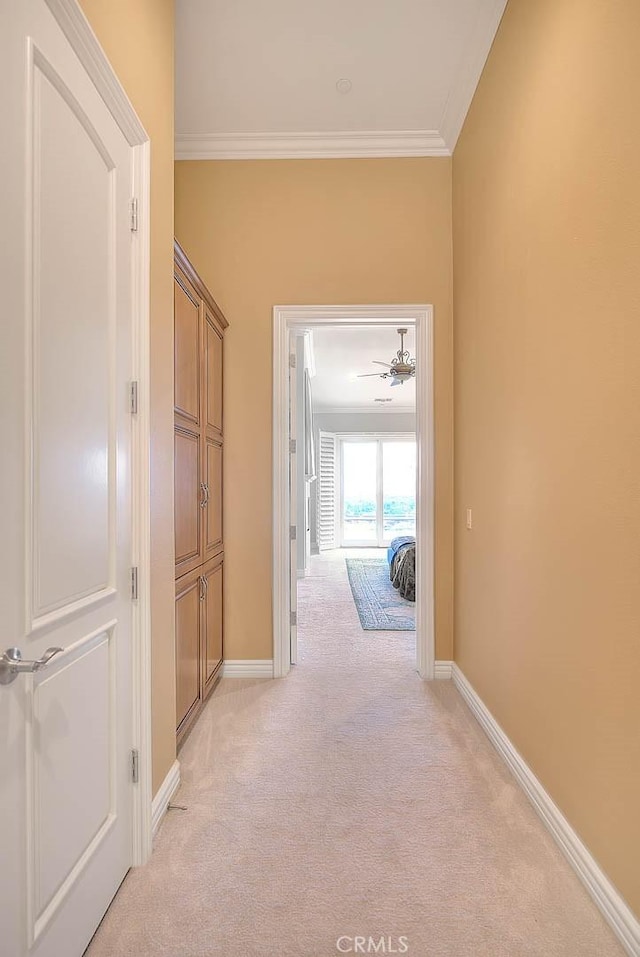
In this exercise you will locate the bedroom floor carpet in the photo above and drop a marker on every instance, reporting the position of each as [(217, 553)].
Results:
[(348, 799), (380, 605)]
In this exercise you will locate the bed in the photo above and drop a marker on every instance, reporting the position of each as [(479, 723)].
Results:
[(401, 555)]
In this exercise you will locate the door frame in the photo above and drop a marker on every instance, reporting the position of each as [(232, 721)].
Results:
[(286, 319), (76, 28)]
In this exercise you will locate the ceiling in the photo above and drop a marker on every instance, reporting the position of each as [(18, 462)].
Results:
[(341, 353), (257, 79)]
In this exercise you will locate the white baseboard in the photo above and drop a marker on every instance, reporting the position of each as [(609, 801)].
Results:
[(166, 791), (248, 668), (443, 669), (616, 912)]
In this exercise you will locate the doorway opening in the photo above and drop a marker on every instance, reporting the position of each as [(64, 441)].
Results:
[(353, 469)]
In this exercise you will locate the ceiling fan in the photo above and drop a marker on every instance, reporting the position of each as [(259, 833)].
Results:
[(401, 367)]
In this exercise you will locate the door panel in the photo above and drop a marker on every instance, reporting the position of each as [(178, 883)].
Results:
[(212, 619), (186, 352), (214, 376), (72, 540), (188, 497), (213, 511), (69, 819), (65, 484), (189, 594)]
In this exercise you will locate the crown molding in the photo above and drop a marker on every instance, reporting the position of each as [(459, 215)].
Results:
[(469, 72), (336, 145)]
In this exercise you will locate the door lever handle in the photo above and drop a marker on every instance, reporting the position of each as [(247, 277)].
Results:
[(12, 663)]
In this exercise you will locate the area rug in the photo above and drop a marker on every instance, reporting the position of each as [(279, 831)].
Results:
[(380, 607)]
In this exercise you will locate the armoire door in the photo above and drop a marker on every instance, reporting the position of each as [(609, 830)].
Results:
[(212, 621), (187, 350), (213, 510), (189, 599), (213, 346), (212, 436), (189, 492)]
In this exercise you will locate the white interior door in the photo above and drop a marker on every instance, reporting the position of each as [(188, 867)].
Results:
[(293, 499), (65, 350)]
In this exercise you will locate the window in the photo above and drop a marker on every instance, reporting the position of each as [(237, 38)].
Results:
[(360, 492), (378, 486)]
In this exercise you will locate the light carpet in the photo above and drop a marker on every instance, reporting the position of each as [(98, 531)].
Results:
[(350, 798)]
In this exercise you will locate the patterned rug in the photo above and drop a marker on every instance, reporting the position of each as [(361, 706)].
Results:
[(379, 605)]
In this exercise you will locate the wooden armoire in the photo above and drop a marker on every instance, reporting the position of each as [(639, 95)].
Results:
[(198, 442)]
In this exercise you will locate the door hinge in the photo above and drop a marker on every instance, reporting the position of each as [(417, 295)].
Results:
[(134, 582), (292, 446), (292, 533), (292, 360), (294, 618), (133, 397), (135, 765), (133, 210)]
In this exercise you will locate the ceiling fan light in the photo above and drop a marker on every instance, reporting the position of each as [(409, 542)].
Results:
[(400, 377), (401, 367)]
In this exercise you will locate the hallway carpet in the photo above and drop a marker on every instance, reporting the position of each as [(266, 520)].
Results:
[(348, 799)]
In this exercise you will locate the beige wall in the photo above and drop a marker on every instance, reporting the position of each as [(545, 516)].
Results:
[(137, 36), (313, 231), (546, 191)]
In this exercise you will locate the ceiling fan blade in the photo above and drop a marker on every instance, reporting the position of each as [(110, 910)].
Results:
[(368, 375), (377, 363)]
